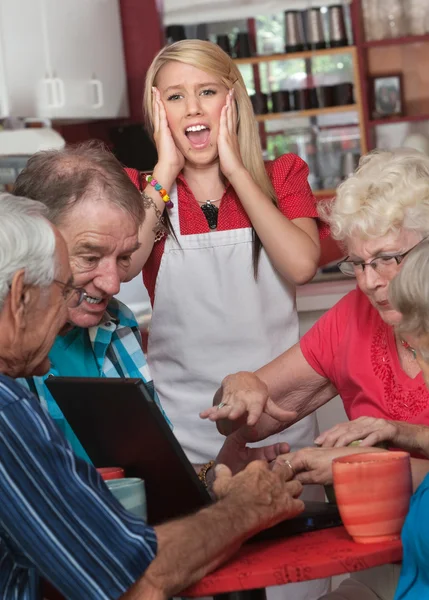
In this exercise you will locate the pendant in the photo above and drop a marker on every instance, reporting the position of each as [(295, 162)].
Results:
[(407, 346), (210, 211)]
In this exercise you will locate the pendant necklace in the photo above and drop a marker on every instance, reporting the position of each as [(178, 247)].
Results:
[(407, 346), (210, 212)]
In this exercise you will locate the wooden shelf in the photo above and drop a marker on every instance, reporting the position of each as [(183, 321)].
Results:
[(409, 39), (312, 112), (324, 193), (255, 60), (399, 119)]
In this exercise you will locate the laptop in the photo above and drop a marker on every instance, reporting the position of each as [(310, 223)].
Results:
[(119, 424)]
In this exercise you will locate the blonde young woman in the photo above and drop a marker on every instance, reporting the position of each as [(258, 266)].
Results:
[(222, 285), (243, 235)]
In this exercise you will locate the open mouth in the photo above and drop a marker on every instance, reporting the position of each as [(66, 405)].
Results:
[(198, 135), (92, 300)]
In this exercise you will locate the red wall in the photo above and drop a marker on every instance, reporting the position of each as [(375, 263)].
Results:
[(143, 37)]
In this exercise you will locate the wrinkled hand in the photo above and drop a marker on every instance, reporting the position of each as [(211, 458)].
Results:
[(314, 465), (236, 455), (169, 156), (244, 397), (265, 496), (227, 141), (368, 430)]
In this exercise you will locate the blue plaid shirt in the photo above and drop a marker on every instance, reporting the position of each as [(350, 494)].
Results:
[(116, 343)]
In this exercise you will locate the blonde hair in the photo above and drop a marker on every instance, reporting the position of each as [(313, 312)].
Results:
[(388, 191), (409, 291), (210, 58)]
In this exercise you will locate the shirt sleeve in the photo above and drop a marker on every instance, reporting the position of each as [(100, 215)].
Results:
[(57, 511), (289, 176), (134, 175), (319, 345)]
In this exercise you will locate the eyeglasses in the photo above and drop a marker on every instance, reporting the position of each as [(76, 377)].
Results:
[(383, 265), (73, 296)]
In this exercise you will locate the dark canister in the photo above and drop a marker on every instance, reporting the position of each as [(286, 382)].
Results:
[(260, 103), (301, 99), (314, 98), (325, 95), (337, 26), (343, 94), (223, 42), (175, 33), (281, 101), (242, 45), (313, 29), (294, 31)]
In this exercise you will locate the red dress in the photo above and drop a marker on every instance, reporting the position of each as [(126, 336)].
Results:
[(355, 349), (288, 174)]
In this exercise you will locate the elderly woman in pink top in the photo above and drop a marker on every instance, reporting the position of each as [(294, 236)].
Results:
[(380, 213)]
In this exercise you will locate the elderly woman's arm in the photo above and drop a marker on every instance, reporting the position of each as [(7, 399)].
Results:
[(269, 400)]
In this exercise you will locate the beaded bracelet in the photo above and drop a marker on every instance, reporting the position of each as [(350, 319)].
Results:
[(203, 472), (158, 187), (160, 230)]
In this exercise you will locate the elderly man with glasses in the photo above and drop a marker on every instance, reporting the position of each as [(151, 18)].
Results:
[(57, 518)]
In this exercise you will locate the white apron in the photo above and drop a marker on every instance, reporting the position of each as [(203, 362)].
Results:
[(210, 318)]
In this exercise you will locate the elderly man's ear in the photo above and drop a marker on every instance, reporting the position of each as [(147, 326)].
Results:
[(21, 299)]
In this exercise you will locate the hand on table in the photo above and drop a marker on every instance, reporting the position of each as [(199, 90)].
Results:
[(236, 455), (314, 465), (368, 430), (265, 496), (243, 398)]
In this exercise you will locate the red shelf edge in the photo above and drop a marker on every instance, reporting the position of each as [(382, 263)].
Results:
[(409, 39)]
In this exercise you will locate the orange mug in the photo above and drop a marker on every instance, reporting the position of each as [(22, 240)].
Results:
[(373, 492), (111, 473)]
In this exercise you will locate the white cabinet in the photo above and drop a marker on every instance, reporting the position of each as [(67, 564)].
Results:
[(66, 63), (24, 90)]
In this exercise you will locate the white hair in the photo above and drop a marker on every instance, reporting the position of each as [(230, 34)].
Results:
[(27, 241), (409, 292), (388, 192)]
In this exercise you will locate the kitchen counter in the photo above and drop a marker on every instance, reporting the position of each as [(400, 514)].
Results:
[(322, 294)]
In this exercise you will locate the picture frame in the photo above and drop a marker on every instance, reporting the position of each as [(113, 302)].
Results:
[(387, 95)]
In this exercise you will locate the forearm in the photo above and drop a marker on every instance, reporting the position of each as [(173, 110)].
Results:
[(414, 438), (293, 252), (294, 385), (191, 547), (166, 178)]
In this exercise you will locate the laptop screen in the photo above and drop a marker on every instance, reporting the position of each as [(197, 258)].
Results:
[(119, 424)]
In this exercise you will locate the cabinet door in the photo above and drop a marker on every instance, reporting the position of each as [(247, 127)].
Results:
[(105, 61), (85, 58), (25, 88), (65, 38)]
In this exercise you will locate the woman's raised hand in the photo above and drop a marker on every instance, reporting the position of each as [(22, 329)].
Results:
[(227, 142), (243, 398), (170, 159)]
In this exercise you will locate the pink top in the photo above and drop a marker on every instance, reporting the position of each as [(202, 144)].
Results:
[(353, 348)]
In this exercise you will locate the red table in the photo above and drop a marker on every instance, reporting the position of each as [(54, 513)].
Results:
[(299, 558)]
